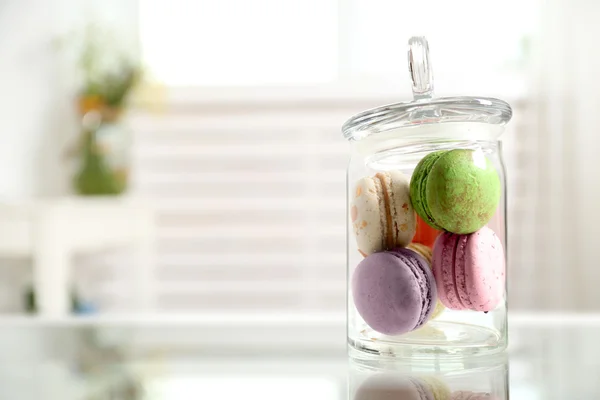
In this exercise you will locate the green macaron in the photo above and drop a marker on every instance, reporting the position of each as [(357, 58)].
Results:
[(455, 190)]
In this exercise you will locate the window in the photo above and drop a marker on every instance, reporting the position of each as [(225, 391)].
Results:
[(238, 43), (335, 42)]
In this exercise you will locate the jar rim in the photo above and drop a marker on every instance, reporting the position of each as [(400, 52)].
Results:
[(427, 111)]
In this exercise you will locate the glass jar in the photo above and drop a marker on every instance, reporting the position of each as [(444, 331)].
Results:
[(426, 226), (470, 378)]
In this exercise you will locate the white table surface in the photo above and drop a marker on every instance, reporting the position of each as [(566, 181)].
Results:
[(550, 357)]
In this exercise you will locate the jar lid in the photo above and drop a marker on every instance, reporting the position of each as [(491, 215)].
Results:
[(425, 109)]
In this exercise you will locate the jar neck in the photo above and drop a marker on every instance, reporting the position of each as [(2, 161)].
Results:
[(436, 135)]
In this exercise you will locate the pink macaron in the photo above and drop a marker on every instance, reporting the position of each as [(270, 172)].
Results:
[(469, 270)]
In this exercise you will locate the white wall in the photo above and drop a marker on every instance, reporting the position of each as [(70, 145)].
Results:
[(32, 102), (36, 106), (37, 111)]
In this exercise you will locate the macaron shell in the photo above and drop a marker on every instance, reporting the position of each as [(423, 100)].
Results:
[(469, 270), (366, 216), (403, 215), (443, 270), (485, 270), (386, 294), (462, 191)]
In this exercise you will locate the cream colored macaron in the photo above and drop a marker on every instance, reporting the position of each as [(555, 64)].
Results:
[(381, 212)]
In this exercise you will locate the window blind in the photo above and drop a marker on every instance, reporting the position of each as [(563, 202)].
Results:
[(251, 208)]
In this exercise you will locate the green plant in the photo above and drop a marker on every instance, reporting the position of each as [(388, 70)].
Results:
[(95, 177), (106, 69)]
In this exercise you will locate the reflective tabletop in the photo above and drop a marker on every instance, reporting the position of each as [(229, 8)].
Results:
[(548, 358)]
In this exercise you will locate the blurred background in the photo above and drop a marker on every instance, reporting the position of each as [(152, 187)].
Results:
[(214, 187), (224, 119)]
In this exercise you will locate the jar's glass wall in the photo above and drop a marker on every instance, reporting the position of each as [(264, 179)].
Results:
[(461, 379), (459, 332)]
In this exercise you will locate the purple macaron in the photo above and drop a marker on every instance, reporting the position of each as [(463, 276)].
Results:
[(394, 291)]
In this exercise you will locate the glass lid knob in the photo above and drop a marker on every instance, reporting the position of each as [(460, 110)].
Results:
[(419, 67)]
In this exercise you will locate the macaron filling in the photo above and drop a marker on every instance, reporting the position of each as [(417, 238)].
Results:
[(388, 230), (393, 219), (382, 218)]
